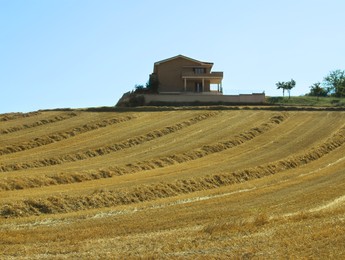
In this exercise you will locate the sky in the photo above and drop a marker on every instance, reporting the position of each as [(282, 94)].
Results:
[(87, 53)]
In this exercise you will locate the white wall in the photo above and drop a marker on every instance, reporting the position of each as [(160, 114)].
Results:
[(171, 98)]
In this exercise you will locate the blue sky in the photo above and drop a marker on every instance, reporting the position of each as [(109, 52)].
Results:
[(83, 53)]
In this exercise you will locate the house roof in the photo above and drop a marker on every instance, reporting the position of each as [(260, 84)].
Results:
[(184, 57)]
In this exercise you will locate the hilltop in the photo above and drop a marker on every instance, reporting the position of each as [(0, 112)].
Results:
[(167, 182)]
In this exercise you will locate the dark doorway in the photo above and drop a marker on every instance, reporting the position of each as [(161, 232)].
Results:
[(198, 87)]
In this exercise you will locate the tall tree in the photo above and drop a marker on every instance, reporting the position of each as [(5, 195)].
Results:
[(335, 81), (286, 86), (290, 85), (318, 91), (280, 85)]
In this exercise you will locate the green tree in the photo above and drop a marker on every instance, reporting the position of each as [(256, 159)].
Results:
[(317, 91), (335, 82), (139, 87), (153, 83), (290, 85), (281, 85), (286, 86)]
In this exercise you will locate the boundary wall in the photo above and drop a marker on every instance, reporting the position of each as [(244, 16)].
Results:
[(255, 98)]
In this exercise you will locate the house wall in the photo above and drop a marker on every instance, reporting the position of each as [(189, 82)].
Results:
[(170, 75)]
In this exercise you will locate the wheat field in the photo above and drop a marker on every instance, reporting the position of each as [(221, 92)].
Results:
[(214, 183)]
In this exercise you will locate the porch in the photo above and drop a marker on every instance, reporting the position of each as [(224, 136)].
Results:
[(202, 79)]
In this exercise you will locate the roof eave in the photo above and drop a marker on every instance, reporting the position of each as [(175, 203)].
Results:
[(184, 57)]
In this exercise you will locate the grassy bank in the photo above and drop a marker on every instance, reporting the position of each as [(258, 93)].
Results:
[(307, 101)]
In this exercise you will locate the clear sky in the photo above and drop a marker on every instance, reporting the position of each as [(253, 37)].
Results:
[(83, 53)]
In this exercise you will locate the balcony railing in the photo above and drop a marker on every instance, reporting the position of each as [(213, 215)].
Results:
[(191, 74)]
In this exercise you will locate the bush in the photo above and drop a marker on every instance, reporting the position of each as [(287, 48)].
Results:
[(136, 100), (275, 100)]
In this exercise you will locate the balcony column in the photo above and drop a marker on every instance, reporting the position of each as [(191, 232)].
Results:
[(203, 84), (185, 84)]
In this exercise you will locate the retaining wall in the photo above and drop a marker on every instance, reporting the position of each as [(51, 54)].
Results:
[(255, 98)]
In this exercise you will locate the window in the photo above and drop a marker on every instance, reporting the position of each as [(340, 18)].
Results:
[(199, 70)]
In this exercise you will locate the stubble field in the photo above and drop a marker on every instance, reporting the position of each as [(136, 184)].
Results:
[(174, 183)]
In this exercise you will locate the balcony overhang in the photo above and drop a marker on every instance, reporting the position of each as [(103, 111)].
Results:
[(213, 77)]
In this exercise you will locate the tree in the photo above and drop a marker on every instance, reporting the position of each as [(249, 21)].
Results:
[(290, 85), (150, 87), (281, 85), (318, 91), (139, 87), (335, 82), (153, 83), (286, 86)]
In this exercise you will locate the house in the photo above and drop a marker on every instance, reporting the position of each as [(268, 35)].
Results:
[(181, 74), (181, 80)]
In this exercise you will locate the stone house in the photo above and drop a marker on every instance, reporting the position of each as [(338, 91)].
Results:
[(181, 74)]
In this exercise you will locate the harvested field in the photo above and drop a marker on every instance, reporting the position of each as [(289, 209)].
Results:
[(185, 184)]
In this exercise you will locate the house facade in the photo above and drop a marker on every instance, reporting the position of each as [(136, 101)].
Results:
[(181, 74), (183, 81)]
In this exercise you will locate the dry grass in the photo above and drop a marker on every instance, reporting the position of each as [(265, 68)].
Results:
[(237, 184), (205, 150), (45, 121), (58, 136)]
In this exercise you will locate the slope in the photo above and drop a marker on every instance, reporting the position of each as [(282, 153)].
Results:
[(188, 183)]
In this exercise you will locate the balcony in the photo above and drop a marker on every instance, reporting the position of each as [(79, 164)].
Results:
[(214, 77), (193, 75)]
